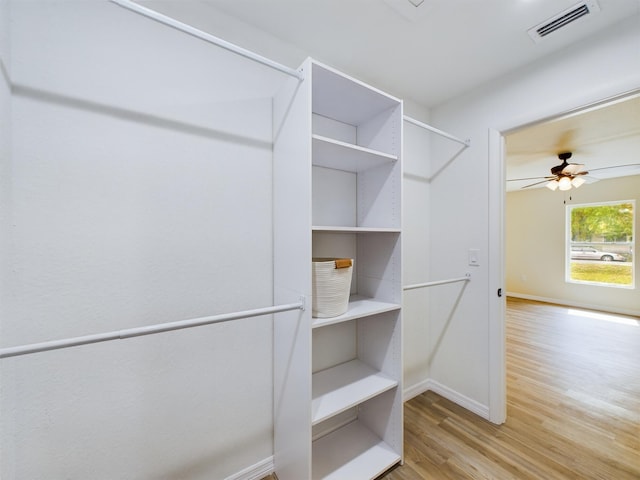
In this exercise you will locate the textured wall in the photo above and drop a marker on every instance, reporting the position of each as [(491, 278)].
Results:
[(141, 193)]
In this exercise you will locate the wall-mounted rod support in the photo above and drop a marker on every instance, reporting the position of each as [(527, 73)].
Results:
[(183, 27), (146, 330), (418, 123), (466, 278)]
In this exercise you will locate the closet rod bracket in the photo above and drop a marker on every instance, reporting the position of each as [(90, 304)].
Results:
[(303, 302)]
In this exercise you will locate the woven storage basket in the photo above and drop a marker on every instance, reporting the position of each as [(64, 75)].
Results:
[(331, 286)]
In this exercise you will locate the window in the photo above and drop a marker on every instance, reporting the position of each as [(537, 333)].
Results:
[(600, 241)]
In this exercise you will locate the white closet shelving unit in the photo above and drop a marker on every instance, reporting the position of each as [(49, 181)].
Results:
[(337, 193)]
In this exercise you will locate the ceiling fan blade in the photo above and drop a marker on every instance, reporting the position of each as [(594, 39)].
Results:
[(591, 179), (537, 183), (572, 169), (529, 178), (630, 166)]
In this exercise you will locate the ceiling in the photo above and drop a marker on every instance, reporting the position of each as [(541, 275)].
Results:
[(428, 54), (598, 137), (432, 53)]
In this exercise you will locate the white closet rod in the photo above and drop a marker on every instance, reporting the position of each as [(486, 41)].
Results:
[(418, 123), (146, 330), (183, 27), (466, 278)]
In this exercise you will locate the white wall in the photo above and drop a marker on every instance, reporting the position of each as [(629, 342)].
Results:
[(601, 67), (5, 111), (141, 193), (415, 249), (5, 174), (4, 36), (5, 148), (535, 234), (204, 15)]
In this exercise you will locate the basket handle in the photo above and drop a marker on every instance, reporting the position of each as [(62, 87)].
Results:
[(343, 262)]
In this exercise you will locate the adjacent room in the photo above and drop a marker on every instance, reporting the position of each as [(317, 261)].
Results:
[(575, 245), (287, 239)]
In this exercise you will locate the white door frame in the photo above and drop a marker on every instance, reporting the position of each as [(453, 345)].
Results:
[(497, 339)]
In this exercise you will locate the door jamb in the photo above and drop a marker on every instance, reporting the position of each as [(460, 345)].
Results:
[(497, 338)]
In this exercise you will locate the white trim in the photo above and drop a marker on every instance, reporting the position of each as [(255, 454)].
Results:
[(496, 241), (255, 472), (448, 393), (417, 389), (569, 244), (568, 303), (459, 399)]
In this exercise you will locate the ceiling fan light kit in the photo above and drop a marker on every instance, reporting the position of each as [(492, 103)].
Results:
[(564, 183), (564, 176), (577, 181)]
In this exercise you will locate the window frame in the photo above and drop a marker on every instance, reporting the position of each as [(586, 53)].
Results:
[(568, 244)]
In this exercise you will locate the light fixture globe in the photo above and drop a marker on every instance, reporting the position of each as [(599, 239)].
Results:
[(552, 185), (564, 183), (577, 181)]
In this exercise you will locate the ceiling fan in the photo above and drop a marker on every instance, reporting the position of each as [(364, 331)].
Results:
[(563, 176), (566, 175)]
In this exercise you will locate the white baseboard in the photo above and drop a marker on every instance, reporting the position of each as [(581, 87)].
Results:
[(568, 303), (415, 390), (449, 394), (460, 399), (255, 472)]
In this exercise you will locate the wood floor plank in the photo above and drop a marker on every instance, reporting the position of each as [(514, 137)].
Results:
[(573, 406)]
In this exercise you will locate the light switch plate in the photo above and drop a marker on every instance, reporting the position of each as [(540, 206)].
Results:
[(474, 257)]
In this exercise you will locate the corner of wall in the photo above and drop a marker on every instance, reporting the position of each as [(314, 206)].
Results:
[(415, 248), (448, 393)]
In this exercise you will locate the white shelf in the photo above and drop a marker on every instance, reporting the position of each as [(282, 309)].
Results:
[(338, 155), (359, 307), (334, 229), (351, 452), (344, 386), (336, 95)]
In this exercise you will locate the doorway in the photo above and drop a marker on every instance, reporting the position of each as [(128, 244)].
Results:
[(498, 226)]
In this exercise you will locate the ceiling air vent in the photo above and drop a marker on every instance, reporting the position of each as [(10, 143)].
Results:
[(562, 19)]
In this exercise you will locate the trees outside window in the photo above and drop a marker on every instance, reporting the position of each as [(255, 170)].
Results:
[(600, 241)]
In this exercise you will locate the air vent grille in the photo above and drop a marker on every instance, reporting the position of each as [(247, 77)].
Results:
[(562, 19), (548, 28)]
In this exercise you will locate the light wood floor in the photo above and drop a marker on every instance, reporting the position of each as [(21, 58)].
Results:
[(573, 407)]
